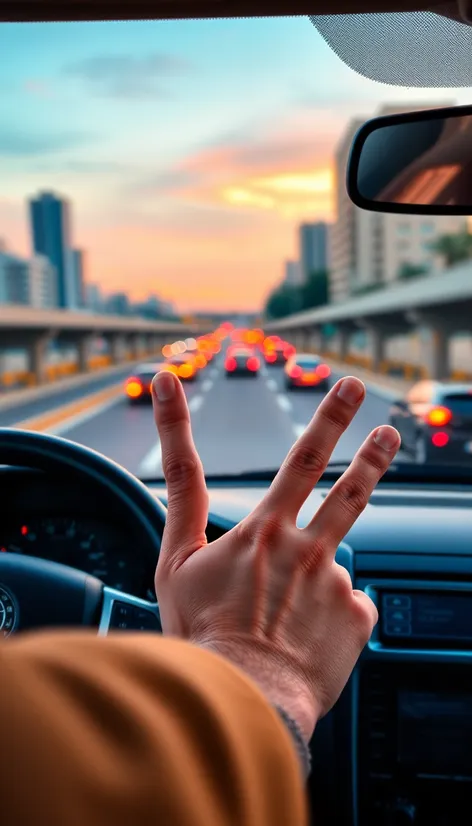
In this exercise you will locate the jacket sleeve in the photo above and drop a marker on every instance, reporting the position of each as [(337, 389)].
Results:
[(132, 729)]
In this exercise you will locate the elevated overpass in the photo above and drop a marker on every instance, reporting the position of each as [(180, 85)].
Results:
[(33, 330), (440, 303)]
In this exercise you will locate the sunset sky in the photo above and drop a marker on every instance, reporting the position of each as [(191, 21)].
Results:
[(189, 150)]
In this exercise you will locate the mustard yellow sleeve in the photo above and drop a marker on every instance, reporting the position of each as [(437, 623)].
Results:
[(136, 730)]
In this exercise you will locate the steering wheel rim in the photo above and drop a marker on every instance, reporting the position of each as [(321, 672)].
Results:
[(48, 453)]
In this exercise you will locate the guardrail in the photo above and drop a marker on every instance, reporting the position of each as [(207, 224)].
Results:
[(15, 379), (390, 367)]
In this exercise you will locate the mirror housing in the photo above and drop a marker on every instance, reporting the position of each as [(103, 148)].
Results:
[(417, 163)]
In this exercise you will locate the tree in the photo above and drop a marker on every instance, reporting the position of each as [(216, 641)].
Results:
[(290, 298), (453, 248), (408, 270)]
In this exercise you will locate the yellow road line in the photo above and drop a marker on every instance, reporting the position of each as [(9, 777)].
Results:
[(67, 411)]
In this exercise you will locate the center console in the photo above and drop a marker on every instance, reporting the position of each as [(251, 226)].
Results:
[(413, 704)]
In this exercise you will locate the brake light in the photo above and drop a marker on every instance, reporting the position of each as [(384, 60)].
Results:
[(271, 356), (289, 351), (252, 364), (295, 372), (231, 364), (323, 371), (185, 371), (440, 439), (439, 416), (134, 388)]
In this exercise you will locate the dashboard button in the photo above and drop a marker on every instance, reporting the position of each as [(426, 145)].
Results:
[(128, 617), (397, 629), (394, 615), (397, 601)]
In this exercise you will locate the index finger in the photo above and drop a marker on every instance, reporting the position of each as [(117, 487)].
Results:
[(187, 497), (308, 458)]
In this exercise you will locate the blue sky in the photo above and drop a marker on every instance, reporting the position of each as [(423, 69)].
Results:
[(189, 150)]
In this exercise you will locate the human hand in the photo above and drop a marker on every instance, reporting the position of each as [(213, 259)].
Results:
[(269, 596)]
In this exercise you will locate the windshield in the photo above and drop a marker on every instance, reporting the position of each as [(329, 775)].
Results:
[(176, 188)]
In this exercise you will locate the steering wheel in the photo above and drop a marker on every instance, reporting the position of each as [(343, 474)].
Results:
[(35, 592)]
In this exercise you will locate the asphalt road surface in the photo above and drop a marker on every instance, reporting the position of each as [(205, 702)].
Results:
[(239, 424)]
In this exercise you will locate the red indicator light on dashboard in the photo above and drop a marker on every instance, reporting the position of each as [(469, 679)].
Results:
[(24, 530), (3, 551)]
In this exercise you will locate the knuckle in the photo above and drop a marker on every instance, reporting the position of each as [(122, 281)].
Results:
[(313, 559), (306, 460), (363, 620), (343, 584), (353, 495), (333, 417), (180, 471), (375, 461), (171, 419)]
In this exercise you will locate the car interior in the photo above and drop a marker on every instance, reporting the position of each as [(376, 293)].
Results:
[(80, 534)]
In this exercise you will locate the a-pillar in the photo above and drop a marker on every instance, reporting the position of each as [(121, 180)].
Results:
[(38, 357)]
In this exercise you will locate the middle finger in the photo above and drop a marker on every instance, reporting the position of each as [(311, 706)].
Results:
[(309, 456)]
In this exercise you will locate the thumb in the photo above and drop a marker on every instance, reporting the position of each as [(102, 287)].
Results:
[(187, 508)]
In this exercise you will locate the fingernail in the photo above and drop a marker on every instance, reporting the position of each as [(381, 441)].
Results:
[(351, 390), (163, 386), (386, 437)]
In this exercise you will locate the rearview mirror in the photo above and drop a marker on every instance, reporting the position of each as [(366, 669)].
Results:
[(418, 163)]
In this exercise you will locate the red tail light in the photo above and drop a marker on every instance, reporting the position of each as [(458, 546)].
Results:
[(295, 372), (289, 351), (438, 416), (271, 356), (252, 364), (134, 388), (440, 439), (323, 371), (231, 364)]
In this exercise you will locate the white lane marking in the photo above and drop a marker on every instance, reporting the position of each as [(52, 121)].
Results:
[(283, 402), (271, 384), (81, 418), (195, 403), (207, 385), (152, 462), (299, 429)]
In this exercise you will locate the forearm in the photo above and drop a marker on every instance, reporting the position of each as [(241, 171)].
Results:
[(132, 728)]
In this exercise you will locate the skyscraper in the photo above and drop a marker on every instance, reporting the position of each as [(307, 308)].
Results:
[(313, 248), (50, 230), (78, 278)]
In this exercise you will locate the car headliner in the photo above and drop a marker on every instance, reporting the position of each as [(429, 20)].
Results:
[(89, 10)]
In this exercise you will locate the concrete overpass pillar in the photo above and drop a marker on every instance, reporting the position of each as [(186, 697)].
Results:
[(315, 340), (38, 356), (435, 351), (344, 337), (84, 350), (377, 345), (117, 343)]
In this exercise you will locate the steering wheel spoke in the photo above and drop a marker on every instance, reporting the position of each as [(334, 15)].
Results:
[(125, 612)]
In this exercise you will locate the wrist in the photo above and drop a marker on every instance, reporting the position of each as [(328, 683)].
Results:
[(280, 685)]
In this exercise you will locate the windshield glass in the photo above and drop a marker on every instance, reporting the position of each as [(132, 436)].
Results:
[(175, 188)]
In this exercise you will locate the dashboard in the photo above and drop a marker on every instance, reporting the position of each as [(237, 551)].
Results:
[(397, 747)]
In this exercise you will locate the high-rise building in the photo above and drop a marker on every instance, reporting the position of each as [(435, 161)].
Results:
[(78, 278), (293, 274), (43, 283), (14, 279), (94, 298), (370, 248), (51, 235), (118, 304), (313, 248)]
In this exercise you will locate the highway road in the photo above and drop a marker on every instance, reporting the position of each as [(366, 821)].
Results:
[(239, 424)]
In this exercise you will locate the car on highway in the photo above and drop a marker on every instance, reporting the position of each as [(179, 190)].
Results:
[(304, 370), (434, 420), (138, 384), (185, 366), (277, 352), (241, 361)]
